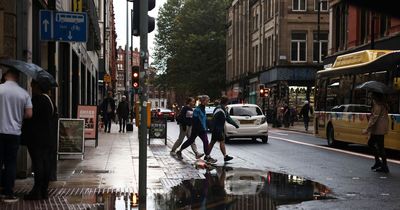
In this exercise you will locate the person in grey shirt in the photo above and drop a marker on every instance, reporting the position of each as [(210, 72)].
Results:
[(15, 105)]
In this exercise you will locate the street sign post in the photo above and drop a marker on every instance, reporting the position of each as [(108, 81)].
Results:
[(63, 26)]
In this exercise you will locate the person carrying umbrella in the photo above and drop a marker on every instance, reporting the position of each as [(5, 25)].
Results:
[(15, 105), (378, 126)]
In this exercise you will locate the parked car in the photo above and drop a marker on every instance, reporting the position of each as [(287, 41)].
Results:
[(162, 113), (251, 120), (209, 114)]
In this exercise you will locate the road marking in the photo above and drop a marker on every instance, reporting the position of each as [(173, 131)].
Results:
[(333, 149), (283, 134)]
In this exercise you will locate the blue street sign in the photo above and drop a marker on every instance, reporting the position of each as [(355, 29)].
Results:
[(46, 25), (63, 26)]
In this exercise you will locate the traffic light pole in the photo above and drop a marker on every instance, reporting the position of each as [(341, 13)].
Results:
[(143, 104)]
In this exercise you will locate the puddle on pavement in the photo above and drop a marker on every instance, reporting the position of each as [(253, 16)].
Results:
[(222, 188), (238, 188)]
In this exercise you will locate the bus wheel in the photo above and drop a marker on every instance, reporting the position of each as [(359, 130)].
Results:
[(331, 136)]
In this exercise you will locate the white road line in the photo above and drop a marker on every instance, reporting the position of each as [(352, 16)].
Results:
[(283, 134), (332, 149)]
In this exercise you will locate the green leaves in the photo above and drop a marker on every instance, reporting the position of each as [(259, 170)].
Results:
[(190, 46)]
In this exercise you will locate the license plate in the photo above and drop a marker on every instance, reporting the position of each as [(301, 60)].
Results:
[(246, 121)]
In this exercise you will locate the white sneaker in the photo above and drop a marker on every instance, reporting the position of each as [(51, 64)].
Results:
[(10, 199)]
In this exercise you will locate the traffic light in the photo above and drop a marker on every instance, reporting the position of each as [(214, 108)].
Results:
[(266, 92), (261, 88), (135, 77), (136, 17)]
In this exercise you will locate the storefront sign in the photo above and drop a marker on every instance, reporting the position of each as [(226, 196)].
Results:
[(89, 114), (158, 129)]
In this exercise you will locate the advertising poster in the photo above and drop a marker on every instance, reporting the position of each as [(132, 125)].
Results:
[(70, 136), (89, 115)]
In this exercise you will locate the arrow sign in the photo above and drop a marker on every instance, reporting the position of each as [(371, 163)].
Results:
[(46, 25)]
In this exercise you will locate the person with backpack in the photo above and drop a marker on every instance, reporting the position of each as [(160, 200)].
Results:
[(220, 116), (199, 129), (184, 120)]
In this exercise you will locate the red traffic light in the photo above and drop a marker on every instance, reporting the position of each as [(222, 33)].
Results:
[(135, 74), (135, 85)]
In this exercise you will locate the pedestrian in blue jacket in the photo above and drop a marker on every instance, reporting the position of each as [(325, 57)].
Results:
[(220, 116), (199, 129)]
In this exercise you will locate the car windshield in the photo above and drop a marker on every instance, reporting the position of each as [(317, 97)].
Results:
[(245, 111), (165, 110)]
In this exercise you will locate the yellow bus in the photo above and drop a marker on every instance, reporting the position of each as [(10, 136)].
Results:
[(342, 111)]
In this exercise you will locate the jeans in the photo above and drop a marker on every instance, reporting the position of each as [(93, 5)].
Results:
[(376, 143), (122, 124), (107, 121), (9, 145), (193, 136), (182, 134)]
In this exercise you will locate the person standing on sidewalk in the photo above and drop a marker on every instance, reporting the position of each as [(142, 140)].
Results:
[(39, 140), (305, 112), (123, 113), (108, 109), (220, 116), (199, 128), (185, 127), (378, 126), (15, 105)]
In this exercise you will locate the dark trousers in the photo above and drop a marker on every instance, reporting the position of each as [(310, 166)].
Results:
[(377, 145), (193, 136), (306, 120), (122, 123), (9, 145), (41, 167), (107, 121)]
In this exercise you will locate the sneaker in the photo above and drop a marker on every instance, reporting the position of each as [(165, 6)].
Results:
[(199, 155), (179, 155), (209, 159), (376, 165), (10, 199), (172, 153), (227, 158), (383, 169)]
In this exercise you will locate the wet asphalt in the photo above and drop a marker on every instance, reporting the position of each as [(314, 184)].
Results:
[(303, 176)]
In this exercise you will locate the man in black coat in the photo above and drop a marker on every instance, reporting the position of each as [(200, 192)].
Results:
[(108, 109), (40, 140), (123, 113)]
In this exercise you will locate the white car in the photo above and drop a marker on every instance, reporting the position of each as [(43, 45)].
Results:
[(251, 120)]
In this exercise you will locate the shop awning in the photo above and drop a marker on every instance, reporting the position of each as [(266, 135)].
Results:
[(363, 62)]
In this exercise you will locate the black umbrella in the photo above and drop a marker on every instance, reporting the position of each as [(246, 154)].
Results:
[(375, 86), (32, 70)]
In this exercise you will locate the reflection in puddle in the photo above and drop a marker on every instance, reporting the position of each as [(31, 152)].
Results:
[(222, 188), (228, 188)]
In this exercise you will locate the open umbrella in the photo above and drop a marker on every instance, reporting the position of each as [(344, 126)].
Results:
[(32, 70), (375, 86)]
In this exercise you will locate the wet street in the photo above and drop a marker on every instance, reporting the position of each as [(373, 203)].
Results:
[(293, 170)]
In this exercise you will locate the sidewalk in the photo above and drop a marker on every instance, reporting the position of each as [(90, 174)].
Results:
[(108, 172), (299, 127)]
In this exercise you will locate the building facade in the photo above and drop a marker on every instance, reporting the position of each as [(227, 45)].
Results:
[(351, 28), (275, 43)]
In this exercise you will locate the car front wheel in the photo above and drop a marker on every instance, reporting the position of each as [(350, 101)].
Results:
[(264, 139)]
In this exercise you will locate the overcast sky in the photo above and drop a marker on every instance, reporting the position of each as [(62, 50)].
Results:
[(120, 24)]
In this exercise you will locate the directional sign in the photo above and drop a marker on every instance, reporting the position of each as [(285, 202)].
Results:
[(46, 25), (63, 26)]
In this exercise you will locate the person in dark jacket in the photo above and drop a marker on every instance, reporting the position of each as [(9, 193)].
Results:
[(39, 140), (108, 110), (123, 113), (199, 128), (185, 127), (220, 116), (305, 111)]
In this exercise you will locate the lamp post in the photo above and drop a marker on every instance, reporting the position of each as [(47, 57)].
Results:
[(318, 30)]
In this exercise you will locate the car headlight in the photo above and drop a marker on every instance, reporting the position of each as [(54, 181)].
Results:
[(263, 120)]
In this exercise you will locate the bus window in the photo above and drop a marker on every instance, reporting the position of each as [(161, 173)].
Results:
[(332, 91), (320, 95)]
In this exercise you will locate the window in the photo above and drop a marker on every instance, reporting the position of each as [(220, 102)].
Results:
[(299, 5), (298, 47), (320, 49), (323, 5), (245, 111)]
